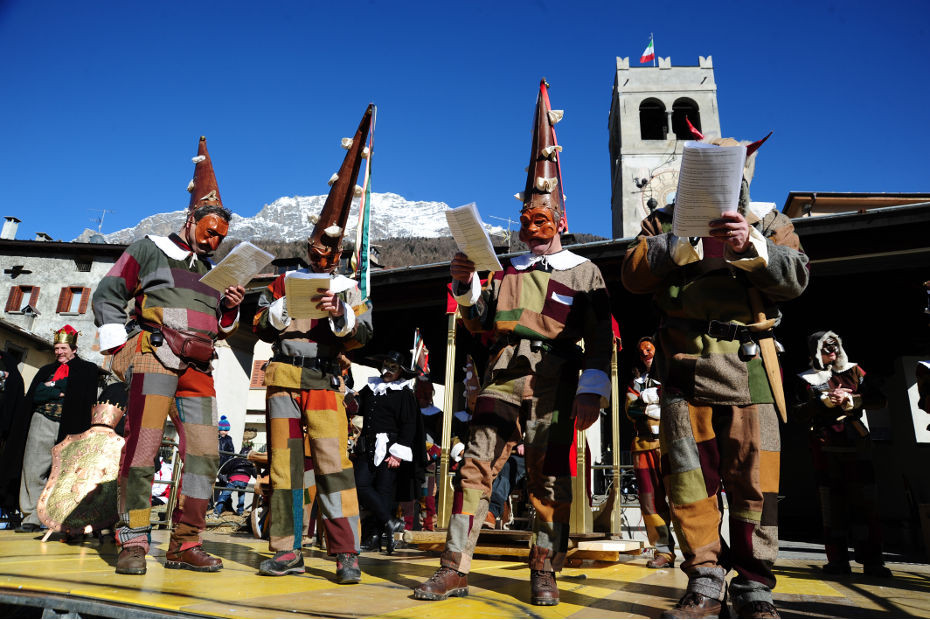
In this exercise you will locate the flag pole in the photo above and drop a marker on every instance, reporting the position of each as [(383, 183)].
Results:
[(652, 39)]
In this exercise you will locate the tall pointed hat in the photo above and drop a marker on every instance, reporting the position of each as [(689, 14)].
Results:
[(203, 188), (325, 243), (544, 175)]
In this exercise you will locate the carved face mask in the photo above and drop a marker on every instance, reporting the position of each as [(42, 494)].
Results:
[(209, 232), (647, 351), (321, 258), (538, 226)]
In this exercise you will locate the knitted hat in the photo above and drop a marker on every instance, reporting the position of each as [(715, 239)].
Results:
[(203, 188), (223, 424), (67, 335), (325, 242), (544, 175)]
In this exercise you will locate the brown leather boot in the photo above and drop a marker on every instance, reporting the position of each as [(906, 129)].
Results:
[(694, 605), (543, 588), (194, 558), (661, 560), (131, 561), (444, 583), (757, 609)]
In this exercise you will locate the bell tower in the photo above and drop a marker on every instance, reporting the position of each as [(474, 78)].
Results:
[(648, 130)]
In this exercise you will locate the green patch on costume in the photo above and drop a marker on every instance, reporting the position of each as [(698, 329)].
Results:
[(759, 389), (687, 487), (470, 499), (749, 516), (525, 332), (508, 315)]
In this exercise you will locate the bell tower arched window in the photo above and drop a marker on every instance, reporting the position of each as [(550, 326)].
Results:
[(680, 109), (652, 120)]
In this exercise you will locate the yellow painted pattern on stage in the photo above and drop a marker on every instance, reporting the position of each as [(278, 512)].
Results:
[(499, 587)]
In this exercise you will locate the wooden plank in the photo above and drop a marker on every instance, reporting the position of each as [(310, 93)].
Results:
[(614, 546)]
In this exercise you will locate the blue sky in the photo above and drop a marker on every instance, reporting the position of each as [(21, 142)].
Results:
[(102, 102)]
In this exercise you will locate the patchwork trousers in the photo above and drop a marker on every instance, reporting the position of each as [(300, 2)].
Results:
[(330, 479), (508, 409), (740, 445), (647, 468), (188, 397), (848, 501)]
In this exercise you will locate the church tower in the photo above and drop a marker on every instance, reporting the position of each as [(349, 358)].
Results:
[(648, 130)]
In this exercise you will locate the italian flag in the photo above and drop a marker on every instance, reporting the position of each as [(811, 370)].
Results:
[(649, 53)]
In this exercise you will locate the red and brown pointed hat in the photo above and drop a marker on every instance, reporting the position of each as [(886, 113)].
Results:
[(544, 175), (325, 242), (203, 188)]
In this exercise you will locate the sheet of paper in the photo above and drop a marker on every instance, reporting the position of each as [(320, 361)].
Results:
[(300, 288), (708, 185), (472, 238), (239, 266)]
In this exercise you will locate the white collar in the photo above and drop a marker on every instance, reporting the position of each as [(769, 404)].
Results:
[(431, 410), (169, 247), (560, 261), (380, 388), (816, 377)]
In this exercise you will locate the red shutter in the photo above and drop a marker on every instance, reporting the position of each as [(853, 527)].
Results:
[(64, 299), (12, 302), (258, 374), (34, 298), (85, 298)]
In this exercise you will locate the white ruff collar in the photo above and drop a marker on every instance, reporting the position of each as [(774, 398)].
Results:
[(380, 388), (560, 261)]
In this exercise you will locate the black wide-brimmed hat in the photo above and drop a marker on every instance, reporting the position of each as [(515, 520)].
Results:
[(393, 356)]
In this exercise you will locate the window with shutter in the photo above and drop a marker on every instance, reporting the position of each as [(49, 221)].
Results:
[(34, 298), (12, 302), (85, 298), (64, 299), (258, 374)]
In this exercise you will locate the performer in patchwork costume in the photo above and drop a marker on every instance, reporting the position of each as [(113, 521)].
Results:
[(642, 407), (305, 389), (718, 415), (536, 309), (166, 361), (835, 395)]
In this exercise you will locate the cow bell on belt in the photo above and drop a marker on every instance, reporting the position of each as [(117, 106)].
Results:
[(324, 247), (543, 176)]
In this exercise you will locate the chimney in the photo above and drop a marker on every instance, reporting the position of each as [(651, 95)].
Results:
[(9, 227), (41, 236)]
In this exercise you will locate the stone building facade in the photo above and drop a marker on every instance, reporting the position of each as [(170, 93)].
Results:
[(647, 132)]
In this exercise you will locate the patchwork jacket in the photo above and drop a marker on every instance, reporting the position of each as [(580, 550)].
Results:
[(694, 284), (162, 276), (558, 299), (323, 339)]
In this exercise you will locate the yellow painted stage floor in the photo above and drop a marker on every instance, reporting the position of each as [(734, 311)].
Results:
[(80, 577)]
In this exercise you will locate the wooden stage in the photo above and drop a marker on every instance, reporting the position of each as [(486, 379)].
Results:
[(79, 577)]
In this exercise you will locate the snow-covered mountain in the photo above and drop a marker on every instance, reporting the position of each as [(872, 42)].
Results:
[(288, 219)]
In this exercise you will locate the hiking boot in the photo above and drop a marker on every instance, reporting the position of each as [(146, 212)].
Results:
[(695, 605), (444, 583), (347, 570), (836, 568), (661, 560), (283, 563), (876, 570), (757, 609), (543, 589), (131, 561), (194, 558)]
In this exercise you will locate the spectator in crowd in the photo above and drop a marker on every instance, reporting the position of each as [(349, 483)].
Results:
[(236, 472), (834, 396), (61, 397)]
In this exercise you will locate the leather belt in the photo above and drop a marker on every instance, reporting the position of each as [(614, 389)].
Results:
[(721, 330), (569, 351), (313, 363)]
